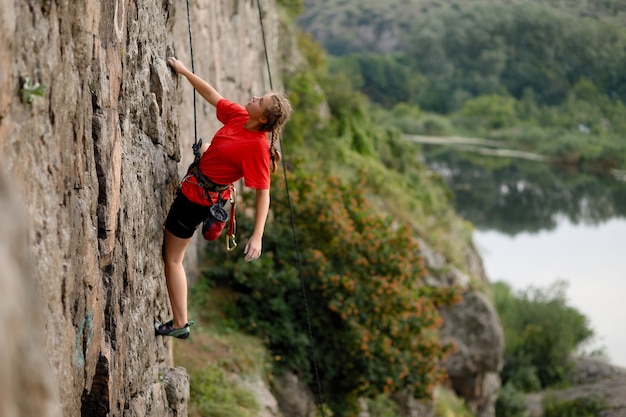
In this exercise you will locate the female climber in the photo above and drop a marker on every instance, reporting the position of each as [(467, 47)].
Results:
[(239, 149)]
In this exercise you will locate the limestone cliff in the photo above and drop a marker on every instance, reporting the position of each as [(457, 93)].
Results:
[(93, 163)]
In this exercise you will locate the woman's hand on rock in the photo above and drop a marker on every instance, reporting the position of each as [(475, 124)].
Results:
[(176, 65)]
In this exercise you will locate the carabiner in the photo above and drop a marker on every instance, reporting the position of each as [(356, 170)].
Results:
[(231, 243)]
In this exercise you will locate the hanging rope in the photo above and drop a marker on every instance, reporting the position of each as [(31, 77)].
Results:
[(320, 396), (196, 142)]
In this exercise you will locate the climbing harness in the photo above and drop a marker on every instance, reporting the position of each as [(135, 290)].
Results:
[(207, 185), (320, 396)]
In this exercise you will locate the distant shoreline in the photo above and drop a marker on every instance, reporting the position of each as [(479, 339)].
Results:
[(476, 145)]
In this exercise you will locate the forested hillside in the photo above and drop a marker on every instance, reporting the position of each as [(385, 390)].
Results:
[(369, 25), (545, 77)]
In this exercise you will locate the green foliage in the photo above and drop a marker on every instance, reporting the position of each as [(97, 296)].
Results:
[(447, 404), (351, 125), (358, 139), (306, 98), (435, 125), (215, 351), (373, 319), (541, 331), (561, 76), (29, 90), (385, 79), (338, 22), (313, 53), (382, 406), (293, 7), (511, 402), (403, 117), (590, 406), (453, 55), (353, 138), (563, 72), (396, 154), (212, 395), (494, 110), (411, 119)]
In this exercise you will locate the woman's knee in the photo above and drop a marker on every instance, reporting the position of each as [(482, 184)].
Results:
[(173, 256), (174, 249)]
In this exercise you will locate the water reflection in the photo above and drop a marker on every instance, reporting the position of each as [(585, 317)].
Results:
[(514, 195), (537, 224)]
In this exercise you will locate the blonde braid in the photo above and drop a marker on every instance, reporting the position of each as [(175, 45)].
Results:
[(274, 154), (277, 115)]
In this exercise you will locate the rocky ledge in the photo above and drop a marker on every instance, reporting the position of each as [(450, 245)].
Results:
[(591, 378)]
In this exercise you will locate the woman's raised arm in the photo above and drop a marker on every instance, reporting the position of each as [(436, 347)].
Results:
[(209, 93)]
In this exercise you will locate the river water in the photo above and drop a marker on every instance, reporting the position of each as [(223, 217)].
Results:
[(536, 225), (592, 259)]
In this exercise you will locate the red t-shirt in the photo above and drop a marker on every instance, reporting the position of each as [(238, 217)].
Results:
[(234, 153)]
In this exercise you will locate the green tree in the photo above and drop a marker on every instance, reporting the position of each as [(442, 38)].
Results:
[(511, 402), (541, 331), (386, 79), (494, 111)]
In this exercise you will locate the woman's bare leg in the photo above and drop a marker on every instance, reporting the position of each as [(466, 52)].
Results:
[(175, 277)]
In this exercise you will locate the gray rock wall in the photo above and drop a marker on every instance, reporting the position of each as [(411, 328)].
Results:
[(93, 164)]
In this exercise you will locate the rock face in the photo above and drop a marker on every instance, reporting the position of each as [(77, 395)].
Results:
[(591, 378), (474, 368), (94, 161), (474, 327)]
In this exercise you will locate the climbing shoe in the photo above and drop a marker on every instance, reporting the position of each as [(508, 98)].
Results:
[(168, 329)]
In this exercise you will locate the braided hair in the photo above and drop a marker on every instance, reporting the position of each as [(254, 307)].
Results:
[(276, 114)]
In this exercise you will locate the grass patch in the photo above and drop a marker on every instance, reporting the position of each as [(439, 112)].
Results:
[(212, 394), (447, 404), (215, 355)]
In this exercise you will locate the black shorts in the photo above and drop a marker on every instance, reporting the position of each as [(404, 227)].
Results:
[(185, 216)]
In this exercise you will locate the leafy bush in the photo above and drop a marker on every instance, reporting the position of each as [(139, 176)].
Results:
[(382, 406), (511, 402), (373, 320), (541, 331), (579, 407)]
